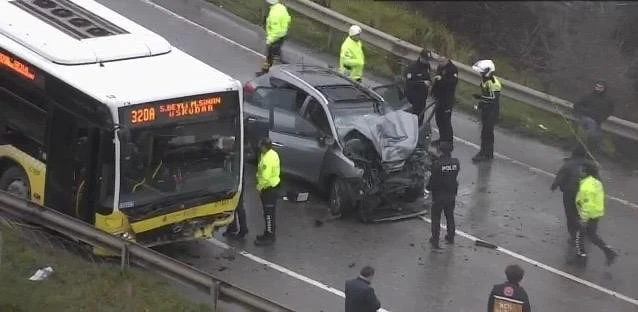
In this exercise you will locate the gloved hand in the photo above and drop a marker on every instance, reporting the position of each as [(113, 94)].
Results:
[(476, 96), (553, 187), (347, 67)]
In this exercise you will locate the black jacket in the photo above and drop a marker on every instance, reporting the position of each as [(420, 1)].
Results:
[(568, 176), (415, 88), (443, 181), (360, 296), (511, 291), (596, 106), (444, 89)]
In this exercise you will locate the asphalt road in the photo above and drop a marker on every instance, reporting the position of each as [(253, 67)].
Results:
[(506, 202)]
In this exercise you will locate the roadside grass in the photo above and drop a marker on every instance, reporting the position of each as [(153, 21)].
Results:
[(77, 284), (395, 19)]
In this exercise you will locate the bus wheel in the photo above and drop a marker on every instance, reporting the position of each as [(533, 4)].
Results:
[(14, 181)]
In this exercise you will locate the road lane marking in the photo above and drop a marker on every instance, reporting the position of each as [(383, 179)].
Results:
[(475, 146), (547, 267), (282, 269)]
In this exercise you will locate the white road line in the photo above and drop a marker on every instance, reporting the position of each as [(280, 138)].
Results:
[(283, 270), (239, 45), (548, 268)]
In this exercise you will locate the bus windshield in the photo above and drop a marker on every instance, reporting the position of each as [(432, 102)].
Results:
[(164, 165)]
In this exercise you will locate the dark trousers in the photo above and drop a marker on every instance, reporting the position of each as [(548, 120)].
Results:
[(269, 198), (239, 223), (443, 205), (443, 119), (417, 109), (591, 231), (489, 118), (273, 50), (571, 213)]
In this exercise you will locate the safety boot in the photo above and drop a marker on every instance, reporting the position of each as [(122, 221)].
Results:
[(449, 239), (435, 243), (268, 238), (611, 255), (482, 157)]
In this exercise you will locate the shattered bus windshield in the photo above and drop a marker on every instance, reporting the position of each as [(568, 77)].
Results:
[(183, 160)]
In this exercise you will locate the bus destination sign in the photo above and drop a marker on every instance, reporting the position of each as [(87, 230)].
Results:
[(172, 110), (16, 66)]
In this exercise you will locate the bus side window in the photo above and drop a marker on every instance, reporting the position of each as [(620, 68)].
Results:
[(22, 122)]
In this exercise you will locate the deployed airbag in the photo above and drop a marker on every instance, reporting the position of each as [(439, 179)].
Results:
[(394, 135)]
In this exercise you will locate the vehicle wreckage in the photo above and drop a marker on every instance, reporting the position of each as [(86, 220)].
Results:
[(393, 155)]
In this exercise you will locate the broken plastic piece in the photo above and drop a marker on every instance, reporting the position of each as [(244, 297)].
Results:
[(41, 274)]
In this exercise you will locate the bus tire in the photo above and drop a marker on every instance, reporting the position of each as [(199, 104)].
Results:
[(15, 181)]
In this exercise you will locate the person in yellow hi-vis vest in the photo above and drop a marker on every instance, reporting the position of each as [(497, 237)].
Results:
[(277, 24), (590, 201), (351, 58), (268, 181)]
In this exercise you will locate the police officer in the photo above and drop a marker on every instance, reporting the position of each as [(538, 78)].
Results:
[(509, 296), (489, 106), (277, 23), (443, 186), (268, 181), (417, 82), (444, 89), (568, 180), (351, 57), (590, 201)]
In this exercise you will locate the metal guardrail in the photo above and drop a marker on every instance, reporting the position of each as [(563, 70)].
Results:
[(130, 251), (406, 50)]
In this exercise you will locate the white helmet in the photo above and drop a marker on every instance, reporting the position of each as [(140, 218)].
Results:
[(484, 67), (354, 30), (272, 1)]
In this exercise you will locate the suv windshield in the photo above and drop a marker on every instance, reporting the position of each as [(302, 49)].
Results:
[(181, 161)]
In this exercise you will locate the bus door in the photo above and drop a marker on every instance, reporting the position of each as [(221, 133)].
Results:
[(71, 165)]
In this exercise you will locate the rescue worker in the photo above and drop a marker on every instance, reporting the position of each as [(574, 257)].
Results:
[(509, 296), (351, 58), (590, 201), (592, 110), (268, 181), (568, 180), (443, 186), (239, 227), (277, 24), (488, 106), (417, 83), (444, 89), (360, 296)]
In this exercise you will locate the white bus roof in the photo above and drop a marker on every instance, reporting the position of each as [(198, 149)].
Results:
[(102, 53)]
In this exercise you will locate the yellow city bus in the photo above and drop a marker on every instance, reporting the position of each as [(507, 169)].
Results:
[(105, 121)]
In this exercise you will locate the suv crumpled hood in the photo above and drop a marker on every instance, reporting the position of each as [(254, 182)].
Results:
[(394, 135)]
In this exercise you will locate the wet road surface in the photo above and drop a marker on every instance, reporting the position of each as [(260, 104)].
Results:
[(505, 203)]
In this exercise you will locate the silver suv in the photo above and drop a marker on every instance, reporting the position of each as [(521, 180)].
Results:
[(366, 152)]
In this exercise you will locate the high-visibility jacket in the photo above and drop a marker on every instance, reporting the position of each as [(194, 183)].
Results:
[(490, 93), (590, 199), (277, 23), (352, 56), (268, 170)]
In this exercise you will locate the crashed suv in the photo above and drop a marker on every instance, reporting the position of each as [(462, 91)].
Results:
[(366, 151)]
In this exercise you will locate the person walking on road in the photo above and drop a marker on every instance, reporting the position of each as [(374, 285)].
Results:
[(509, 296), (443, 91), (360, 296), (568, 180), (239, 227), (590, 201), (351, 57), (268, 181), (277, 24), (443, 186), (592, 110), (488, 106), (417, 83)]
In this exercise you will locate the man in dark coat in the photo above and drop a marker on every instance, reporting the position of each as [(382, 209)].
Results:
[(592, 110), (568, 179), (360, 296), (509, 296), (417, 82)]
